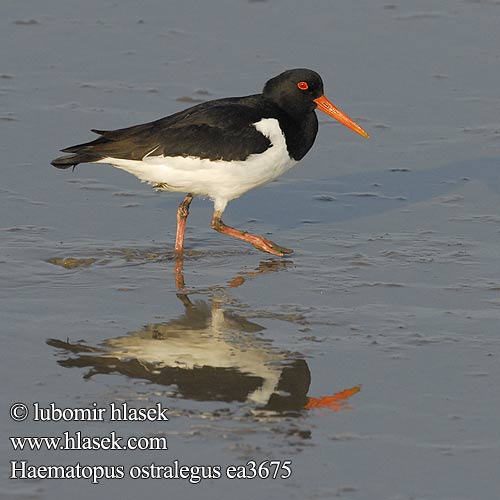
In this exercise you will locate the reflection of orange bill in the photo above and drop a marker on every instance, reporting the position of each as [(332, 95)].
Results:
[(334, 402)]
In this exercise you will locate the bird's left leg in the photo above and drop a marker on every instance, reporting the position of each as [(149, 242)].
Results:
[(182, 215), (258, 242)]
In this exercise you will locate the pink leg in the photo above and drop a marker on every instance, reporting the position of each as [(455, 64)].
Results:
[(258, 242), (182, 215)]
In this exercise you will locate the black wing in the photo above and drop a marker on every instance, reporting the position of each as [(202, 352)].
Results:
[(216, 130)]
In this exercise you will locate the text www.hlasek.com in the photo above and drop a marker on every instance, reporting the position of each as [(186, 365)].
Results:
[(77, 441)]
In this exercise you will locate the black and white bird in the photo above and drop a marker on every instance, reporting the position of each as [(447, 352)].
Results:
[(220, 148)]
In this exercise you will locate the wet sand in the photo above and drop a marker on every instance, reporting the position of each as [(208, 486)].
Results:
[(368, 358)]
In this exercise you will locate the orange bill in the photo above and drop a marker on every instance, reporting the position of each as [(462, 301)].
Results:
[(327, 107)]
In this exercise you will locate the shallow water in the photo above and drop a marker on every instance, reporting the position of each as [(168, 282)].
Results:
[(369, 358)]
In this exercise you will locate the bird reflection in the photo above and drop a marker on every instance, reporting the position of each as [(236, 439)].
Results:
[(208, 354)]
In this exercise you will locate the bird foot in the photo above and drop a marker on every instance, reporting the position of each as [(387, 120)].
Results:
[(258, 242), (269, 247)]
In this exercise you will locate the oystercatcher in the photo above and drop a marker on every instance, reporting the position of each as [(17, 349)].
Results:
[(220, 148)]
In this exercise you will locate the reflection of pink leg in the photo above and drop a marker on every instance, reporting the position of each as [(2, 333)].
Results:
[(182, 215), (258, 242), (178, 272)]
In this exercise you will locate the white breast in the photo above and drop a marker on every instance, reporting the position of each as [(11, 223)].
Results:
[(220, 180)]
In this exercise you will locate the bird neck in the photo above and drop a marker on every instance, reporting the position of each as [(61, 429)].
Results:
[(300, 133)]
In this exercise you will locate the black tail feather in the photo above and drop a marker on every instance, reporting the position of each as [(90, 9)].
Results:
[(73, 160), (81, 153), (112, 143)]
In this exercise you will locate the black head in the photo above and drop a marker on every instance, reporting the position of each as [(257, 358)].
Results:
[(300, 91), (295, 90)]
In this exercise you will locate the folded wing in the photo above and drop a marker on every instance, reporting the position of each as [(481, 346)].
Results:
[(217, 130)]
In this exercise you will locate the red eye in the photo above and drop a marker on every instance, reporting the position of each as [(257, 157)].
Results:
[(303, 85)]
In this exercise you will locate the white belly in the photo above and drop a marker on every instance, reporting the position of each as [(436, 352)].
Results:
[(220, 180)]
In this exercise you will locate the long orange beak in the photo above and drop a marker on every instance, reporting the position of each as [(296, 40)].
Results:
[(327, 107)]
